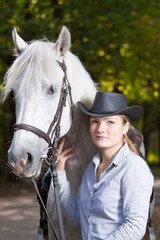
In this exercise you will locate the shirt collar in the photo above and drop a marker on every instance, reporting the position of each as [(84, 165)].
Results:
[(96, 159), (123, 152)]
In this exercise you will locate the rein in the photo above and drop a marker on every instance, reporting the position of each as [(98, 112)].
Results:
[(53, 130)]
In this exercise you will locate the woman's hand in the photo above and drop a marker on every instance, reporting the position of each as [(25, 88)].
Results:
[(64, 155)]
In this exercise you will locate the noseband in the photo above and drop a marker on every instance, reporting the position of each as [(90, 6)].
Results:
[(55, 124)]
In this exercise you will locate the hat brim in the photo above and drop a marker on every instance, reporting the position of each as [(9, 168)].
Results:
[(133, 112)]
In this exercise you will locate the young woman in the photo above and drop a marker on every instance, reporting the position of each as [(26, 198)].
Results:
[(113, 198)]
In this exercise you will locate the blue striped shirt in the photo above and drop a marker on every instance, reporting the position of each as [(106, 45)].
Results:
[(115, 207)]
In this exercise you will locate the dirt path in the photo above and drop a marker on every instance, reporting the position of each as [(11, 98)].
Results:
[(19, 216)]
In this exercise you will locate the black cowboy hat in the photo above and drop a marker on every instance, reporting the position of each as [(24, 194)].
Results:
[(110, 103)]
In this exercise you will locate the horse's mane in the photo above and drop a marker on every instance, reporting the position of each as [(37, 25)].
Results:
[(37, 64)]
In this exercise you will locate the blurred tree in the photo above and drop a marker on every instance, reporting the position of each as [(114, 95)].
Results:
[(117, 41)]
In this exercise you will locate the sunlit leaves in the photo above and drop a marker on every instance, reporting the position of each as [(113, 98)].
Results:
[(110, 37)]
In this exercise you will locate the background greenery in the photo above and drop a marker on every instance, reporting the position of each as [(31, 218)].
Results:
[(118, 41)]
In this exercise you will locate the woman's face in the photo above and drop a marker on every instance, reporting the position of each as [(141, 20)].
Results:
[(107, 132)]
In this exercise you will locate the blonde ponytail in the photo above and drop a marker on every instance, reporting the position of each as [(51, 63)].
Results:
[(131, 145)]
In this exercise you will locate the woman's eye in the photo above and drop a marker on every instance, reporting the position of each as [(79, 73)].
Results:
[(51, 90), (93, 121), (111, 122)]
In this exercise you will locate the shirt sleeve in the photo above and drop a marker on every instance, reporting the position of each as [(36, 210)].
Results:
[(137, 187), (68, 200)]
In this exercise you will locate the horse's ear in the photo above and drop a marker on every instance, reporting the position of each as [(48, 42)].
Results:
[(19, 43), (63, 43)]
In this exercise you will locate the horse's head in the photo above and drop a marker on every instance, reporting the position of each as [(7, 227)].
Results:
[(36, 79)]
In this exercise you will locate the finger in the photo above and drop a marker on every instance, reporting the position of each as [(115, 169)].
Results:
[(69, 156), (67, 150), (60, 166)]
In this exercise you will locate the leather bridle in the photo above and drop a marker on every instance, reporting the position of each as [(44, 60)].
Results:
[(53, 130), (55, 124)]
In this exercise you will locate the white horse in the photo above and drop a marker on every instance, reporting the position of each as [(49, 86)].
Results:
[(35, 78)]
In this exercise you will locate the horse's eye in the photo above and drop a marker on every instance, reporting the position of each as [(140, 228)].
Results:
[(51, 90)]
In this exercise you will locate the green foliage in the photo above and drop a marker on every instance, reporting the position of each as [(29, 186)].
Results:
[(152, 158), (117, 41)]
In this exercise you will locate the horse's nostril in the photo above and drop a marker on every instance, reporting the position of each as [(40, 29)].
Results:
[(29, 158)]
